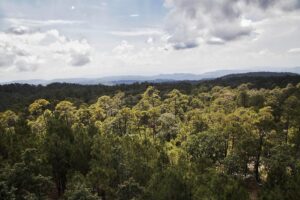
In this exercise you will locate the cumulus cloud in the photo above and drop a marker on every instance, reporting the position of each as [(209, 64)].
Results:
[(192, 22), (128, 55), (28, 63), (6, 58), (27, 50), (294, 50), (123, 48), (79, 59)]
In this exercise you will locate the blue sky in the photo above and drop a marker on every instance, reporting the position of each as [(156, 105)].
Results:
[(95, 38)]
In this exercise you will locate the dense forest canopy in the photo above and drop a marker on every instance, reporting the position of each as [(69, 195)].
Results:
[(236, 138), (17, 97)]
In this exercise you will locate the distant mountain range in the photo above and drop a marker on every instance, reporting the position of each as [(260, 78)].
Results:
[(114, 80), (259, 74)]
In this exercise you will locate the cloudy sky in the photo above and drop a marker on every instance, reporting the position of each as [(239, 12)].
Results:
[(47, 39)]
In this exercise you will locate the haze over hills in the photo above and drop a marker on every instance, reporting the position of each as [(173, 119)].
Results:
[(114, 80)]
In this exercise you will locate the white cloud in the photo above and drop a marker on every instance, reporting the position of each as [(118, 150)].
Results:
[(124, 47), (294, 50), (193, 22), (128, 56), (138, 32), (28, 50), (227, 33), (28, 63), (17, 22), (79, 59), (20, 30), (264, 52), (134, 15), (6, 57), (215, 40), (150, 41)]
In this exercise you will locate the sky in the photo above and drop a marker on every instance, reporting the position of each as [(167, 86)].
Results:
[(48, 39)]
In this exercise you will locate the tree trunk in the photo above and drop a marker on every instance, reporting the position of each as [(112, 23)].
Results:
[(257, 161), (287, 130)]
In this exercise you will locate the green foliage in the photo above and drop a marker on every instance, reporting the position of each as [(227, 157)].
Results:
[(25, 178), (207, 147), (168, 184), (78, 189), (129, 190), (173, 141)]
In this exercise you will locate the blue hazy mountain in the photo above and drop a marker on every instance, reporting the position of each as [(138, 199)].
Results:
[(113, 80)]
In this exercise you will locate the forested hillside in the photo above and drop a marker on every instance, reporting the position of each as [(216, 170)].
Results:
[(221, 139)]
